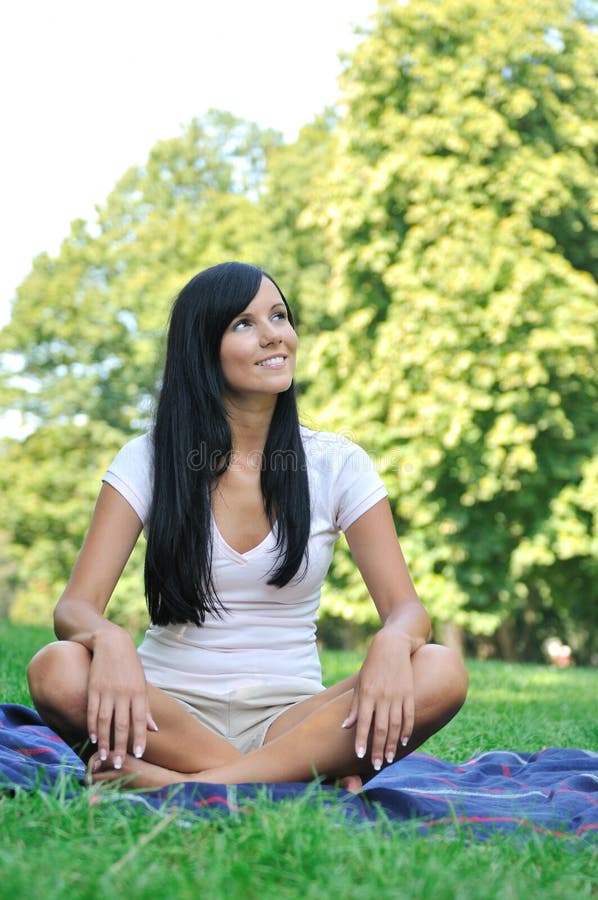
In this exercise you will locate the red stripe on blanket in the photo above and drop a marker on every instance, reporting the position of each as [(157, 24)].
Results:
[(211, 801), (32, 751), (490, 820)]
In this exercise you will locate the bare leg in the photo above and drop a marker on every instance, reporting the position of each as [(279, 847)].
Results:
[(141, 773), (317, 745), (58, 677), (300, 711)]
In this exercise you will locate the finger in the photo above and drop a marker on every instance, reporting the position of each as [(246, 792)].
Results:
[(150, 723), (105, 712), (353, 711), (94, 763), (139, 725), (121, 732), (379, 734), (93, 703), (395, 723), (408, 720), (364, 721)]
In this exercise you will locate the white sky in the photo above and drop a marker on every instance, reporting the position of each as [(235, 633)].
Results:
[(88, 88)]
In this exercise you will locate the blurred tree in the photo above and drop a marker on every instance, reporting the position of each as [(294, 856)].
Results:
[(439, 242), (295, 177), (81, 352), (51, 481), (83, 339), (462, 218)]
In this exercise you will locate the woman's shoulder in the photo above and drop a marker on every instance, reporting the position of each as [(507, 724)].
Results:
[(130, 473), (329, 448), (316, 438), (138, 449), (135, 458)]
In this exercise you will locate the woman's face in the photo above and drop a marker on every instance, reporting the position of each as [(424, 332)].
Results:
[(258, 348)]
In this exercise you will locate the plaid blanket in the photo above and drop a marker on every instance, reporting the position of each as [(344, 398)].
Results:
[(551, 792)]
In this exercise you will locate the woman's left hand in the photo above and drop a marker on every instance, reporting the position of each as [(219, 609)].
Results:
[(383, 699)]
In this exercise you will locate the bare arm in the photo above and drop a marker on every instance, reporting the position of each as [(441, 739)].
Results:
[(117, 691), (112, 534), (384, 693)]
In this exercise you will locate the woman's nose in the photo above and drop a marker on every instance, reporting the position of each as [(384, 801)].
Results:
[(268, 335)]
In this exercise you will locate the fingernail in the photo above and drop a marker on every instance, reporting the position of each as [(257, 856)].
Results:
[(404, 741), (390, 757), (96, 765), (93, 738), (138, 752), (118, 763), (360, 752), (377, 764), (103, 755), (345, 724), (155, 727)]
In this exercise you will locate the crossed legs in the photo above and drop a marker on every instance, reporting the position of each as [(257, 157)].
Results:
[(304, 741)]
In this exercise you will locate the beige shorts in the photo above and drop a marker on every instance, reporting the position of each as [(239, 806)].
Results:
[(243, 716)]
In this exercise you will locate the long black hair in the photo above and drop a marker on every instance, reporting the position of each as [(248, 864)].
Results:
[(192, 447)]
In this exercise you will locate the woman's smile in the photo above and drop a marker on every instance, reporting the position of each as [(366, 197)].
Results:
[(273, 362)]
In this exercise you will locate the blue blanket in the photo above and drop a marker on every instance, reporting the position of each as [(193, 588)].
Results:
[(553, 791)]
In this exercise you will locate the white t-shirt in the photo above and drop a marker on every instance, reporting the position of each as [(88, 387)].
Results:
[(265, 633)]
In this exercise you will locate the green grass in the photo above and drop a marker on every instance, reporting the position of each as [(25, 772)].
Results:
[(53, 848)]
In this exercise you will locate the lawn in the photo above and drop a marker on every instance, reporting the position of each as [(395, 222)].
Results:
[(53, 848)]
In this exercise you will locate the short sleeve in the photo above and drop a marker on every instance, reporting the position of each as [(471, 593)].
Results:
[(130, 473), (357, 485)]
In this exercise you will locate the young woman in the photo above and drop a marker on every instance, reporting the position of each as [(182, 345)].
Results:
[(241, 507)]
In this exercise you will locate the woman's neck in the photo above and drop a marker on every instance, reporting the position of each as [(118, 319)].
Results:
[(250, 424)]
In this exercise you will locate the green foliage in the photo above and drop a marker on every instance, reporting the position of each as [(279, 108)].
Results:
[(53, 478), (84, 338), (464, 217), (82, 349)]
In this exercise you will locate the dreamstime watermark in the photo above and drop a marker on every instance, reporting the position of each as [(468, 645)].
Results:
[(201, 459), (331, 455)]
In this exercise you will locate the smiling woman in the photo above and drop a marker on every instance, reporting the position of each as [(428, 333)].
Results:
[(242, 506)]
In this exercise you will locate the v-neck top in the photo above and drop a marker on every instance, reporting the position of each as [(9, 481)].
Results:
[(265, 632)]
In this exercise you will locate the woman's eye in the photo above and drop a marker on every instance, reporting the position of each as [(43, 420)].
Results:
[(279, 315), (239, 325)]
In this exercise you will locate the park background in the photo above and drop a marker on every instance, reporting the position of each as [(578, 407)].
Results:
[(436, 232)]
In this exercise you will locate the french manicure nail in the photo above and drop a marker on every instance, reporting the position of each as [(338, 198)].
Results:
[(138, 752), (118, 763), (390, 757), (344, 724), (404, 741), (103, 755), (377, 764), (360, 752), (93, 738)]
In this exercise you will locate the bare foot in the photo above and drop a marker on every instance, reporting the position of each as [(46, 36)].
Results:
[(135, 773), (351, 783)]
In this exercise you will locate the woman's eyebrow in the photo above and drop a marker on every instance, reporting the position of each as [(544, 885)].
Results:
[(250, 315)]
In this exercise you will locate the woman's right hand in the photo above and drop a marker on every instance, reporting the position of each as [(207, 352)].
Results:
[(118, 711)]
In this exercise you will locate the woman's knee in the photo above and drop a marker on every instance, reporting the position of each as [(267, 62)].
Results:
[(448, 671), (58, 670), (455, 675)]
